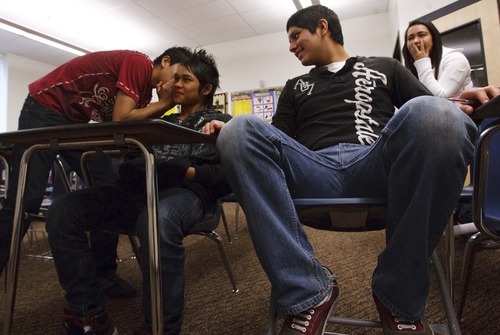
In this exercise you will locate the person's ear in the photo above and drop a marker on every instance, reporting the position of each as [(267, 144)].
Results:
[(165, 61), (323, 27), (206, 89)]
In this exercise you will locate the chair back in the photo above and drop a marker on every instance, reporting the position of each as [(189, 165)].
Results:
[(486, 178), (210, 221)]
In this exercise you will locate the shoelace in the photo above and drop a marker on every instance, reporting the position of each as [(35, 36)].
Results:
[(301, 321), (405, 324)]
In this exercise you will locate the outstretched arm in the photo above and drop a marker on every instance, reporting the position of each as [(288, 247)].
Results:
[(125, 107)]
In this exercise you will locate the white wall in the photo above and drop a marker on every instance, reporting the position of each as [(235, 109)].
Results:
[(21, 72), (243, 64), (3, 92)]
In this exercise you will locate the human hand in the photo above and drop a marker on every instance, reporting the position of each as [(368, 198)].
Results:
[(164, 90), (213, 127), (418, 51), (480, 95)]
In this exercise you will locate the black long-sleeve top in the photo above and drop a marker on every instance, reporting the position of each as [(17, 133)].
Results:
[(322, 109), (172, 161)]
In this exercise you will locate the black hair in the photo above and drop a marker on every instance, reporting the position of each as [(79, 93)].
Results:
[(202, 65), (176, 54), (309, 17), (436, 52)]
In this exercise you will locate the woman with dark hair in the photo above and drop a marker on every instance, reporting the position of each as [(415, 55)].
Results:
[(444, 71)]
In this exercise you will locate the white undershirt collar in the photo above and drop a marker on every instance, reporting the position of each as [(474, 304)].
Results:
[(335, 66)]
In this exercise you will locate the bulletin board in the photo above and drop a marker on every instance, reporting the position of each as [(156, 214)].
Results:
[(261, 103)]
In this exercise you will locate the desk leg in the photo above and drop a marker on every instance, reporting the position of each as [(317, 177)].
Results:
[(154, 262), (453, 324), (6, 174), (15, 246), (154, 259), (450, 254)]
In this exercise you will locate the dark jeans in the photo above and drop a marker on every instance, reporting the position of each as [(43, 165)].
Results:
[(34, 115), (111, 208)]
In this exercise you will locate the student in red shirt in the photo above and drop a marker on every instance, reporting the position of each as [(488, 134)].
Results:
[(102, 86)]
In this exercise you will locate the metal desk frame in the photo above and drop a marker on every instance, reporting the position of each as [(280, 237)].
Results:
[(5, 154), (140, 134)]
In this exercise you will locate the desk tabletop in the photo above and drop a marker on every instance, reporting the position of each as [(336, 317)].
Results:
[(148, 132)]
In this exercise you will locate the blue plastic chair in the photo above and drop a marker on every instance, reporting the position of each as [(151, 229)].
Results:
[(485, 202)]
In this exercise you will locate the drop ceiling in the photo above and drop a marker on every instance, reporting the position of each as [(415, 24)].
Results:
[(151, 26)]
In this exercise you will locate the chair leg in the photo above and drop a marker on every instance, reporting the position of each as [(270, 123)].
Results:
[(236, 221), (218, 241), (450, 253), (272, 315), (453, 325), (135, 247), (470, 248), (224, 222)]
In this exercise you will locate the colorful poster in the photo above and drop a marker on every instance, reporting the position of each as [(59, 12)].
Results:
[(241, 103), (260, 103)]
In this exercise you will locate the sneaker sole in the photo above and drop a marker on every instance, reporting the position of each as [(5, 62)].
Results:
[(325, 323)]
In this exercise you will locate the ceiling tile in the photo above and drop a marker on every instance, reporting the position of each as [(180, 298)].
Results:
[(203, 13), (246, 6), (226, 35), (161, 7), (270, 14), (221, 25)]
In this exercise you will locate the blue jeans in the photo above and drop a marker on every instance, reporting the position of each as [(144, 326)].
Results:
[(34, 115), (178, 210), (109, 208), (419, 162)]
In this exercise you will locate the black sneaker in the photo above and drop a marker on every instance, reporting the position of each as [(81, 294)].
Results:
[(115, 286), (313, 320), (394, 325), (99, 324)]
